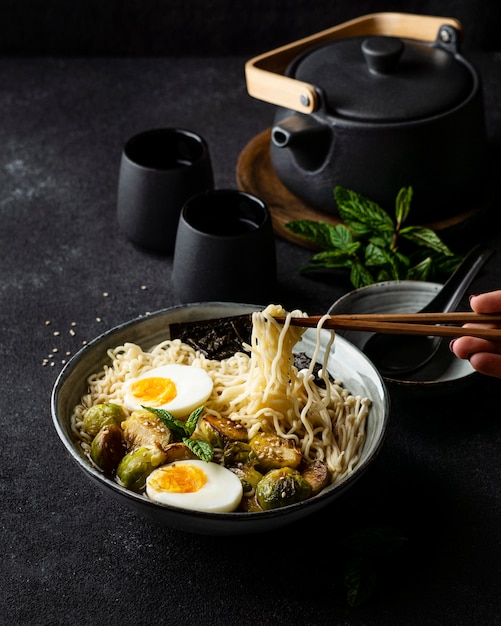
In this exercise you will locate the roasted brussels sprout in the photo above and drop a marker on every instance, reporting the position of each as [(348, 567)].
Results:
[(237, 452), (249, 504), (281, 487), (108, 448), (144, 428), (136, 466), (317, 475), (101, 415), (178, 452), (218, 430), (274, 452), (249, 477)]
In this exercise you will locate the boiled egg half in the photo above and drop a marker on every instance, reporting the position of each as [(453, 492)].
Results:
[(195, 485), (179, 389)]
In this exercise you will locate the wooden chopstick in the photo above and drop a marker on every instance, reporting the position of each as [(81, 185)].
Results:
[(407, 323)]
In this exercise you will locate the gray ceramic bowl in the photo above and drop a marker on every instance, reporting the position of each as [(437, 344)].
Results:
[(406, 296), (347, 364)]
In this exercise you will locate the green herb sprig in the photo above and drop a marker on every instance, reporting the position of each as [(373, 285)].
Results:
[(369, 549), (373, 245), (183, 431)]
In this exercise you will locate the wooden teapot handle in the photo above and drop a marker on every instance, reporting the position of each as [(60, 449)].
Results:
[(265, 73)]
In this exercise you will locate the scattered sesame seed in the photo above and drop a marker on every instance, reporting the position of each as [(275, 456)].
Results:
[(52, 364), (47, 322), (84, 342), (68, 353), (73, 324), (56, 333), (143, 287), (63, 361), (54, 349), (98, 319), (105, 294), (72, 332)]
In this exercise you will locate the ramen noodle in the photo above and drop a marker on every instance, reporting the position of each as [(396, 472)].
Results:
[(259, 387)]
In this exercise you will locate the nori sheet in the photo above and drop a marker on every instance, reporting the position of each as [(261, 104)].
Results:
[(220, 338), (216, 338)]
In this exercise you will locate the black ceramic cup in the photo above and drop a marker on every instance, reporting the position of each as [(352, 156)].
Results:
[(225, 249), (160, 169)]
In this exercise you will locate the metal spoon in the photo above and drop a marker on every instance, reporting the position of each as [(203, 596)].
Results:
[(395, 356)]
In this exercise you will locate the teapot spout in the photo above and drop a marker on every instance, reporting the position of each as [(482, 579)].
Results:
[(307, 143), (295, 130)]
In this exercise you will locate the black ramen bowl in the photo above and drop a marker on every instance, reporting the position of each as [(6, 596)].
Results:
[(346, 363)]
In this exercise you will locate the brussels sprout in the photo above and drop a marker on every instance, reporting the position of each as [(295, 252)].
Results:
[(281, 487), (249, 476), (136, 466), (101, 415), (249, 504), (274, 452), (108, 448), (218, 430), (144, 428), (317, 475), (237, 452), (178, 452)]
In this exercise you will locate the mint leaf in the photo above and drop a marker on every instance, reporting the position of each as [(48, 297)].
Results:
[(319, 233), (354, 207), (201, 448), (403, 205), (360, 580), (421, 271), (192, 421), (360, 276), (178, 427), (425, 237)]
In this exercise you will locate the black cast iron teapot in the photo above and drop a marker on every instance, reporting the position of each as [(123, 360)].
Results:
[(375, 104)]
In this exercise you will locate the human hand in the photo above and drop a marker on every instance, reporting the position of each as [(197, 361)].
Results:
[(484, 355)]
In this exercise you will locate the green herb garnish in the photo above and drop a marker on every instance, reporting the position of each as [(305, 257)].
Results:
[(183, 431), (374, 246), (368, 550)]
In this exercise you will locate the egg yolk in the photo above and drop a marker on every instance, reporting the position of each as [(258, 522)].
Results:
[(154, 390), (179, 479)]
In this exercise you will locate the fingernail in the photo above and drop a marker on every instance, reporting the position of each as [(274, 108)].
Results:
[(451, 345), (473, 295)]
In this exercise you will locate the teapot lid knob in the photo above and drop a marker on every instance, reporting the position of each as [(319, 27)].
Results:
[(382, 53)]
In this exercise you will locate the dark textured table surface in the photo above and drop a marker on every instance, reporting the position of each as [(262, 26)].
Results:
[(70, 555)]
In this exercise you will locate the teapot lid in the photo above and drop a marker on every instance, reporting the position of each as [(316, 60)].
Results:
[(385, 79)]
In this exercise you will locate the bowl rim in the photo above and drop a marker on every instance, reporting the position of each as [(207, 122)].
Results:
[(109, 484)]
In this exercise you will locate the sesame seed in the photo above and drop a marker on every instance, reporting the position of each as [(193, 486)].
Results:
[(47, 322), (105, 294), (56, 333), (98, 319), (54, 349), (73, 324), (72, 332), (143, 287)]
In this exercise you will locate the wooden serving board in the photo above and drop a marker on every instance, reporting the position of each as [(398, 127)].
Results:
[(255, 175)]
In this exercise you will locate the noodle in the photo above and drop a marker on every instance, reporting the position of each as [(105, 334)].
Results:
[(263, 391)]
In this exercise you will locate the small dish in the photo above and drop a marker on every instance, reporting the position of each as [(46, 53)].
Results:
[(444, 370), (346, 363)]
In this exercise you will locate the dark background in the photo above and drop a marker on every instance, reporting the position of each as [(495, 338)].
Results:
[(207, 27), (78, 78)]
